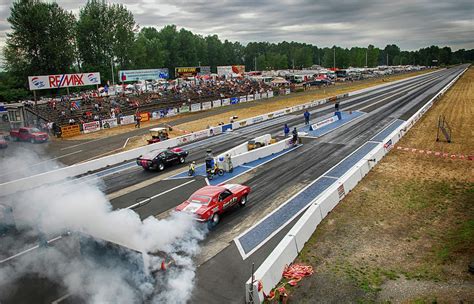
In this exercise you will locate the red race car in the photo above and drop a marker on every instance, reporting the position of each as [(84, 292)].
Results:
[(209, 202)]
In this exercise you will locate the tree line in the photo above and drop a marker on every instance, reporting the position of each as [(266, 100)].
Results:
[(47, 39)]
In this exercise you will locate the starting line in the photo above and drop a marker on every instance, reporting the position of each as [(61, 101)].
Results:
[(201, 170)]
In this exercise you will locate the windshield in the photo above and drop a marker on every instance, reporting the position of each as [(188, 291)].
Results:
[(34, 130), (200, 199)]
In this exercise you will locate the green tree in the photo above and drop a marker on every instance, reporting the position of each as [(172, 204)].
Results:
[(41, 40)]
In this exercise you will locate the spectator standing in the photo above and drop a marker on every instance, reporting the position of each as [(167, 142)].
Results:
[(286, 130), (306, 117), (138, 119)]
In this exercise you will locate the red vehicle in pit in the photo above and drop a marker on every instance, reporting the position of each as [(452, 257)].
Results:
[(32, 135), (210, 202)]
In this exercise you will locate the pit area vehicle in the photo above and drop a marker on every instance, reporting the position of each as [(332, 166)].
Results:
[(157, 135), (32, 135), (160, 159), (210, 202)]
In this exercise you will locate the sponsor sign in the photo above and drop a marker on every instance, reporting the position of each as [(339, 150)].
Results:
[(250, 97), (257, 96), (126, 120), (70, 131), (109, 123), (243, 123), (200, 134), (279, 113), (184, 109), (182, 72), (333, 98), (234, 100), (270, 94), (388, 145), (216, 103), (184, 139), (227, 127), (172, 112), (155, 115), (145, 116), (204, 70), (243, 98), (146, 74), (207, 105), (63, 81), (257, 119), (225, 102), (324, 122), (89, 127), (287, 91), (215, 131), (195, 107), (231, 70), (341, 192)]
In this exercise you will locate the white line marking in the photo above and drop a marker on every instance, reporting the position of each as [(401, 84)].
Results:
[(159, 194), (244, 166), (84, 143), (207, 181), (28, 250), (61, 298)]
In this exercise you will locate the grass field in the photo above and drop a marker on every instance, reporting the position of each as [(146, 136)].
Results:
[(405, 234)]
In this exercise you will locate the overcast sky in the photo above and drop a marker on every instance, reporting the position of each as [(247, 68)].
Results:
[(410, 24)]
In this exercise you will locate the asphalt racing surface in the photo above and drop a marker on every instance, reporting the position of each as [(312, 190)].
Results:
[(221, 271)]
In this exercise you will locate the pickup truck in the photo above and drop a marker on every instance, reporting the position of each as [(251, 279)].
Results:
[(32, 135)]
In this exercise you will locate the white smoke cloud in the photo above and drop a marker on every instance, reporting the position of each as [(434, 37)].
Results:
[(53, 209)]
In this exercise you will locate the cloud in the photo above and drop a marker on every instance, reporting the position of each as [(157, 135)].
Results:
[(411, 24)]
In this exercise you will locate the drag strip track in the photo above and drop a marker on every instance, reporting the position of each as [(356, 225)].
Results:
[(220, 263), (134, 174)]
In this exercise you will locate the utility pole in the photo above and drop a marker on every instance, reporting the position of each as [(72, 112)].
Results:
[(112, 67), (334, 58), (387, 59), (366, 50), (255, 63), (293, 60)]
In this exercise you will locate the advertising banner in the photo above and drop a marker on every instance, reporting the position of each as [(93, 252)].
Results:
[(225, 102), (270, 94), (257, 96), (287, 91), (250, 97), (234, 100), (243, 98), (184, 109), (324, 122), (216, 103), (183, 72), (204, 70), (126, 120), (195, 107), (63, 81), (231, 70), (172, 112), (89, 127), (70, 131), (109, 123), (155, 115), (146, 74), (207, 105), (145, 116), (200, 134)]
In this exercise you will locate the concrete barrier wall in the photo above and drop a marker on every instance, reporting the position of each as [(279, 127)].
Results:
[(270, 271), (255, 154)]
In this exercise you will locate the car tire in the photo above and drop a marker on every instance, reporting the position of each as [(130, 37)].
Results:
[(220, 172), (243, 201), (215, 219), (181, 160), (161, 167), (32, 140)]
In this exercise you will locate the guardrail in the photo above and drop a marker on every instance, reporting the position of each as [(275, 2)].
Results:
[(270, 271), (106, 161)]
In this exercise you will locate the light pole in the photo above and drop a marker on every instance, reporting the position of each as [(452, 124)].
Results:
[(366, 50), (255, 63), (112, 68), (334, 58)]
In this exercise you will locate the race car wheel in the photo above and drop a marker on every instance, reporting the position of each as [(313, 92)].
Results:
[(181, 160), (220, 172), (214, 220), (161, 166), (32, 140), (243, 201)]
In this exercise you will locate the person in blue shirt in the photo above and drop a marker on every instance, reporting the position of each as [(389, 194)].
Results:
[(306, 117), (286, 130)]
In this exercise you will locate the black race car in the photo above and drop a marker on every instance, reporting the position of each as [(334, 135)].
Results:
[(159, 159)]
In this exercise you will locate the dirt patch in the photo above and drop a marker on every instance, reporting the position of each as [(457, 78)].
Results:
[(405, 234), (291, 100)]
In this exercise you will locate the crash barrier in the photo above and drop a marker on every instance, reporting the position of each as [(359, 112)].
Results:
[(270, 271), (265, 151), (244, 147), (70, 131), (93, 165)]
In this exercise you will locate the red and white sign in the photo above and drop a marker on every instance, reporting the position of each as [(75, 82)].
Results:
[(63, 81), (89, 127), (231, 70), (324, 122)]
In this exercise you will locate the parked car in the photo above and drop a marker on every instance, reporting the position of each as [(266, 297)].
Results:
[(3, 142), (210, 202), (160, 159), (32, 135)]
